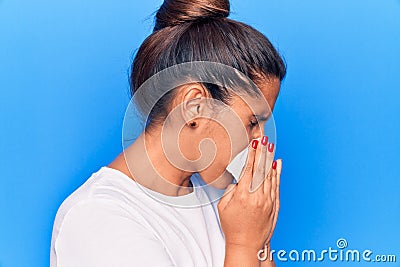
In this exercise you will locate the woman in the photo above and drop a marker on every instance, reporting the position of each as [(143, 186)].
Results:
[(160, 202)]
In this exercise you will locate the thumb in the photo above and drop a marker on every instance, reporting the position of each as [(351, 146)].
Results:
[(227, 196)]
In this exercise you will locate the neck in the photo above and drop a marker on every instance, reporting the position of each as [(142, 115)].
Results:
[(147, 164)]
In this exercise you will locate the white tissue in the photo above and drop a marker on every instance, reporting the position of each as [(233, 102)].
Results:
[(237, 164)]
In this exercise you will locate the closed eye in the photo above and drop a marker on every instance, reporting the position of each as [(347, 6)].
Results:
[(253, 123)]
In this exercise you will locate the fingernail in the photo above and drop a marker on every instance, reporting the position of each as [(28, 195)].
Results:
[(264, 140), (271, 147), (254, 144), (274, 164)]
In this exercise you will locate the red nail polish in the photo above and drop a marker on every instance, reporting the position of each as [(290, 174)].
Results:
[(264, 140), (254, 144), (271, 147), (274, 164)]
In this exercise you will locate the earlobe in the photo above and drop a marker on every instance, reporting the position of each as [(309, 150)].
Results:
[(193, 124)]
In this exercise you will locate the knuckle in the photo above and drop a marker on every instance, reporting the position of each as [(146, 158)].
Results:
[(268, 201), (256, 202), (248, 168), (260, 169), (242, 198)]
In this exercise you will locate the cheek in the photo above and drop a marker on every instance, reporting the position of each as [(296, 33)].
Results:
[(222, 141)]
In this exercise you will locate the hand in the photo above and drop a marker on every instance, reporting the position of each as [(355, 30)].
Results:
[(248, 218)]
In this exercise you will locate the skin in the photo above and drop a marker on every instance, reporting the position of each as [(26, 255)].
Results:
[(248, 218)]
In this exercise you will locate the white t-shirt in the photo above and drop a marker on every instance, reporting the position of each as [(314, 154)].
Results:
[(111, 221)]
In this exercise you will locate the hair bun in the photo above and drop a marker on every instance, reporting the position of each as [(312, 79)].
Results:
[(175, 12)]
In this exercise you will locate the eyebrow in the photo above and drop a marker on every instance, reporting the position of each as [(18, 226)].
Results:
[(262, 117)]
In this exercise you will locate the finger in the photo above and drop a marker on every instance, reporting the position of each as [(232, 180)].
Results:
[(273, 180), (227, 196), (259, 165), (268, 162), (279, 168), (277, 195), (247, 173), (267, 183), (270, 156), (278, 179), (275, 212)]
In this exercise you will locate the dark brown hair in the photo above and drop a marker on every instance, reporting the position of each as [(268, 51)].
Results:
[(199, 30)]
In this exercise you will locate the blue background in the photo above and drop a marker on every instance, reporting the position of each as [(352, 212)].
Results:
[(64, 89)]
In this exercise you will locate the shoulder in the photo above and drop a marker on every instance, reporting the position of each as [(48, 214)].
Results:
[(107, 195), (102, 233), (97, 218)]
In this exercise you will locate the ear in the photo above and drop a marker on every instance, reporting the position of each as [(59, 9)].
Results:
[(192, 100)]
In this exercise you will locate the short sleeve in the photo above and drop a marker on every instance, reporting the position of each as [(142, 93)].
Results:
[(102, 234)]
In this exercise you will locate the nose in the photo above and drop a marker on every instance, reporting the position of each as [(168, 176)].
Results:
[(258, 132)]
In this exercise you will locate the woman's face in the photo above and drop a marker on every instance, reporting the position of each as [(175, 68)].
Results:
[(220, 139)]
